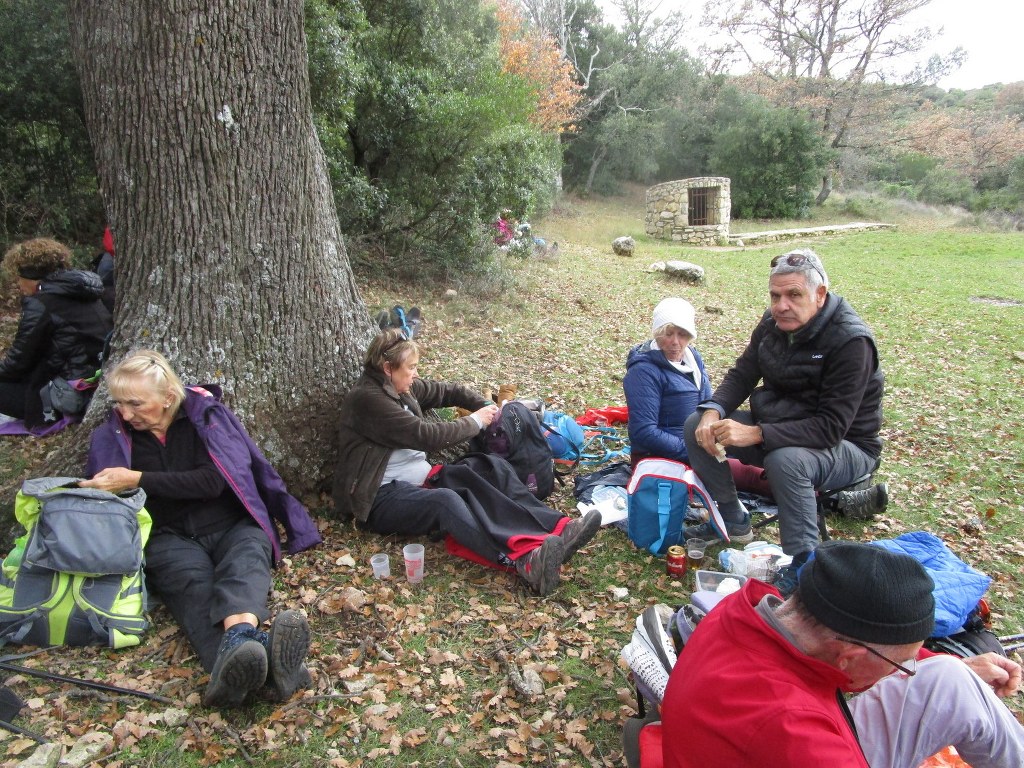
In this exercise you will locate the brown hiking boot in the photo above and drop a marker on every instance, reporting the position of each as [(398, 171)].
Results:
[(539, 567), (577, 533), (506, 392)]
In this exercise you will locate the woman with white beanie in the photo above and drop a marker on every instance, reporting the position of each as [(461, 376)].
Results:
[(665, 380)]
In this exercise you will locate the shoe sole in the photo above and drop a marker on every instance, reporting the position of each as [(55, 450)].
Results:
[(741, 538), (645, 667), (652, 626), (289, 645), (240, 671), (591, 525)]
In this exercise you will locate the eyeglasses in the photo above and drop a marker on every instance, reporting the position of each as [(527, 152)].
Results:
[(798, 259), (906, 671)]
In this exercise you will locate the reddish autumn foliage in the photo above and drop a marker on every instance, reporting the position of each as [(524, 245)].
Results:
[(535, 57)]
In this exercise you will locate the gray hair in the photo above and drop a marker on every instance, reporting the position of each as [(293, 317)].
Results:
[(802, 260)]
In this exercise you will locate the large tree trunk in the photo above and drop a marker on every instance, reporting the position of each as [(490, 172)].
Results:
[(229, 255)]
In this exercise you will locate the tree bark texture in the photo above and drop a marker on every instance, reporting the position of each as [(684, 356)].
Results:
[(229, 255)]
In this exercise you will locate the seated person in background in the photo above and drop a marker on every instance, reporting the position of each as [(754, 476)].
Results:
[(103, 265), (384, 481), (506, 227), (761, 681), (812, 374), (214, 499), (61, 331), (664, 382)]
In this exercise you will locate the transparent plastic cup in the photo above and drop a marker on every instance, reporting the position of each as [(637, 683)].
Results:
[(695, 552), (413, 554), (381, 565)]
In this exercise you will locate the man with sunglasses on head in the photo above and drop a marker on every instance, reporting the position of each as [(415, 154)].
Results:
[(762, 681), (812, 374)]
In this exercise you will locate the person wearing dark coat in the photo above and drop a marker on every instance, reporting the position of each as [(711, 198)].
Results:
[(214, 499), (383, 479), (812, 375), (62, 328), (103, 265)]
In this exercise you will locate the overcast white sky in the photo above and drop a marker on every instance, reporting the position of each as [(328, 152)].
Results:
[(989, 30)]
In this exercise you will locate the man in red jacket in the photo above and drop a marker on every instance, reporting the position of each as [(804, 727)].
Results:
[(761, 682)]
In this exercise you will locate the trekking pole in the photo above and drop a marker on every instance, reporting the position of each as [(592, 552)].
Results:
[(1011, 638), (1013, 647), (83, 683), (23, 732)]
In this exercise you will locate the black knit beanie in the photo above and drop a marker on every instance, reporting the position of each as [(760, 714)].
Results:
[(868, 593)]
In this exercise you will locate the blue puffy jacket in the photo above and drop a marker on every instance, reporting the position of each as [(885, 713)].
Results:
[(660, 398), (958, 586)]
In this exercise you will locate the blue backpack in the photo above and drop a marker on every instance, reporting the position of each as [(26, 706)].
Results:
[(564, 435)]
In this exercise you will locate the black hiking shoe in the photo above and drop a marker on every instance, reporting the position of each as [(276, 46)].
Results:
[(287, 644), (865, 504), (578, 533), (240, 668), (539, 567)]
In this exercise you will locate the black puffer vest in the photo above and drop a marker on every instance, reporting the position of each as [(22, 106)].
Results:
[(792, 364)]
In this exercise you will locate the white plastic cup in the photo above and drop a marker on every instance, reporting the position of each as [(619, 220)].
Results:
[(413, 554), (381, 565), (695, 552)]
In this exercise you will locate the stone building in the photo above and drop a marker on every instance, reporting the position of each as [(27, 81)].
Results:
[(689, 210)]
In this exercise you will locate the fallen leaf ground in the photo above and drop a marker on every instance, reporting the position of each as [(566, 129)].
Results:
[(427, 675)]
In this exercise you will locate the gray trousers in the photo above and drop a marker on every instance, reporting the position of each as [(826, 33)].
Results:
[(901, 721), (205, 579), (794, 475)]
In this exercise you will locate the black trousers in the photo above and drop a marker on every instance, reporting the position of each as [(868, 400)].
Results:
[(12, 398), (479, 501), (205, 579)]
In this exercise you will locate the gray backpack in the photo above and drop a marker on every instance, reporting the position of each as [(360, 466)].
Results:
[(75, 576)]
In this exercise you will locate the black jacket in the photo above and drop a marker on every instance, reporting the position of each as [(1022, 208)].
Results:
[(818, 386), (61, 333)]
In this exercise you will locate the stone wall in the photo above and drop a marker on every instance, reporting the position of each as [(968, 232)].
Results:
[(667, 214)]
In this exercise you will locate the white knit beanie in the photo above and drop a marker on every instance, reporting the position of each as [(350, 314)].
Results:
[(678, 312)]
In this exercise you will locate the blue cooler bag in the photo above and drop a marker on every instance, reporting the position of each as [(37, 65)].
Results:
[(660, 493)]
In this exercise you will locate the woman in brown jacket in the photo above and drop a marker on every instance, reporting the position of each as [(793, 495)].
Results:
[(384, 481)]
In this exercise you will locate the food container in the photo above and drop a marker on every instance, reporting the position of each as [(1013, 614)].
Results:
[(716, 581)]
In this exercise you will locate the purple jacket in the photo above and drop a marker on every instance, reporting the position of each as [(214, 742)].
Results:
[(243, 465)]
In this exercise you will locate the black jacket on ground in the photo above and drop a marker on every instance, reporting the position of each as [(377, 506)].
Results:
[(61, 333)]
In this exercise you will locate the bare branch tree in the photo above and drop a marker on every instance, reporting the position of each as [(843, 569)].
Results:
[(822, 53)]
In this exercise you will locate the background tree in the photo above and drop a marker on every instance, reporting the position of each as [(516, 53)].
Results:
[(534, 57), (229, 253), (772, 155), (47, 181), (439, 139), (821, 54)]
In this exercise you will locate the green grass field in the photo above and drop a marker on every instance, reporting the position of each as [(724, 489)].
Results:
[(419, 676)]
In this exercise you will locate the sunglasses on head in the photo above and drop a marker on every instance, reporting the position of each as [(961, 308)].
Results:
[(798, 260), (402, 338)]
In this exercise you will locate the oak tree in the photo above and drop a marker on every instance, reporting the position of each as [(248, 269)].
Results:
[(230, 258)]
